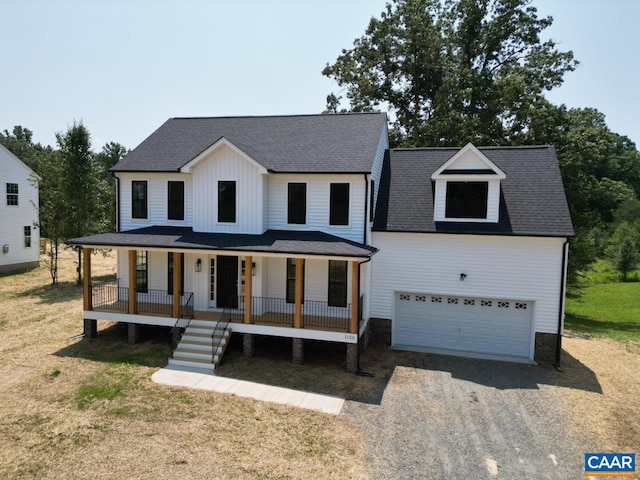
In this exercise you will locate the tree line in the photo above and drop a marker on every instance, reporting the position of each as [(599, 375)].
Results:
[(456, 71), (77, 190)]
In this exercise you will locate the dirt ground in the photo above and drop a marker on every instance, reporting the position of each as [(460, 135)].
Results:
[(609, 410)]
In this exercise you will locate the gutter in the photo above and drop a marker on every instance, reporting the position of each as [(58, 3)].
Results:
[(117, 201), (563, 288), (358, 371), (366, 208)]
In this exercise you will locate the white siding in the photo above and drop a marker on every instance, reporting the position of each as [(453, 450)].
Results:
[(493, 202), (376, 172), (496, 267), (226, 164), (157, 200), (14, 218), (468, 161), (318, 188)]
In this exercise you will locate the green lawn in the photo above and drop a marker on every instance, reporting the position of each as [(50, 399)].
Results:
[(605, 309)]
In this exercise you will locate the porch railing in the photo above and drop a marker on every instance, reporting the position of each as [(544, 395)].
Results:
[(278, 311), (110, 296)]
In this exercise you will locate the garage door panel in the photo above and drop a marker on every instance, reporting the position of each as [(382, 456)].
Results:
[(493, 326)]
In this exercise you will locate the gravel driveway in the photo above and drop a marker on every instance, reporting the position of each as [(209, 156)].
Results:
[(455, 418)]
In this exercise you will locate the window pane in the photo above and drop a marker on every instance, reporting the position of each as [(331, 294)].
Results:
[(176, 201), (27, 237), (142, 280), (291, 280), (337, 295), (466, 200), (297, 203), (139, 199), (12, 194), (227, 201), (339, 204)]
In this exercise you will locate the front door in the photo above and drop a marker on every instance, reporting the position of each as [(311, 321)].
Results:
[(227, 288)]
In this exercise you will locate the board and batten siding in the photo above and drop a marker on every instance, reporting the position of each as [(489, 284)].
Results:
[(13, 218), (226, 164), (157, 200), (318, 192), (518, 268)]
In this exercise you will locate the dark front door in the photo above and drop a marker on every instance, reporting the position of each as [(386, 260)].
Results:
[(227, 289)]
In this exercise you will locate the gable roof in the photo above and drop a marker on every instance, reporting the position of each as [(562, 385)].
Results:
[(6, 153), (328, 143), (532, 197), (488, 167)]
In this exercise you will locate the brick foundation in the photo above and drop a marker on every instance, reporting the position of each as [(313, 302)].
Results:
[(545, 349), (248, 345), (90, 328), (352, 357), (380, 330), (133, 333), (297, 351)]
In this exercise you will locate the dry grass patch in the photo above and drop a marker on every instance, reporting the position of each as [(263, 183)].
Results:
[(88, 409)]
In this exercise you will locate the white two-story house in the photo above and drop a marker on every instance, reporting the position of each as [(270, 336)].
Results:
[(19, 235), (309, 227)]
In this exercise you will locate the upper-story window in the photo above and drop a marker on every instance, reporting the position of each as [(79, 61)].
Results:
[(227, 201), (467, 199), (138, 199), (339, 204), (176, 201), (297, 203), (12, 194)]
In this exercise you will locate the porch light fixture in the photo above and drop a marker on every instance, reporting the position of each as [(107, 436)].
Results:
[(463, 276), (198, 265)]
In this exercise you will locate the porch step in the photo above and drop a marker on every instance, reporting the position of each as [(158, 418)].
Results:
[(196, 346)]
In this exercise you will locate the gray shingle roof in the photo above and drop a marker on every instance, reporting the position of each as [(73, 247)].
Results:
[(344, 143), (271, 241), (532, 200)]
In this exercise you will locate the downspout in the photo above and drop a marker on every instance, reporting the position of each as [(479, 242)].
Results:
[(563, 287), (366, 210)]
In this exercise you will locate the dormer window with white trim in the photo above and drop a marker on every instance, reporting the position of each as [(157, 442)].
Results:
[(467, 188)]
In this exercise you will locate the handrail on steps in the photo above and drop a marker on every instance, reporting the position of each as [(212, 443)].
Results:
[(184, 319), (221, 327)]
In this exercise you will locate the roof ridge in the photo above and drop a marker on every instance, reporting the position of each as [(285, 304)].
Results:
[(479, 147), (293, 115)]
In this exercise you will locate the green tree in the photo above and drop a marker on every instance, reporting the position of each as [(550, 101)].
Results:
[(20, 143), (623, 249), (110, 154), (451, 72)]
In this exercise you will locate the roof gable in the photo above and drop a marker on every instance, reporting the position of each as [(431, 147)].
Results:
[(216, 146), (468, 161), (6, 153)]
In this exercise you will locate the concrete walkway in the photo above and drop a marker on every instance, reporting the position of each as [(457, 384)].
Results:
[(192, 378)]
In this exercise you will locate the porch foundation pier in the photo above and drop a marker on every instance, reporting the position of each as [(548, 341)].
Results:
[(133, 334), (248, 345), (90, 328), (297, 356), (352, 357)]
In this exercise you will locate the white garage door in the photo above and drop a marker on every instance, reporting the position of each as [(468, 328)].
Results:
[(466, 324)]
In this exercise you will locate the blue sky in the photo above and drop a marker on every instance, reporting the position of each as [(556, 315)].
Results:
[(124, 66)]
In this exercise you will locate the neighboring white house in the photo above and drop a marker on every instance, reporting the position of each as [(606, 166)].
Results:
[(19, 235), (309, 227)]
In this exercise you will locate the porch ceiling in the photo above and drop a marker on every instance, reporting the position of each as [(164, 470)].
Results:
[(270, 242)]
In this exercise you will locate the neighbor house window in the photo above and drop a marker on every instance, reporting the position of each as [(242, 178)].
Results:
[(138, 199), (170, 273), (291, 280), (297, 203), (466, 200), (27, 237), (176, 201), (12, 194), (339, 204), (227, 201), (337, 283), (142, 274)]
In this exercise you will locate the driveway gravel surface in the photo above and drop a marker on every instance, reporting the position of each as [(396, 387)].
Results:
[(455, 418)]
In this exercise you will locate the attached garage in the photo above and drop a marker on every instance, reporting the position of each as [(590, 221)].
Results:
[(487, 326)]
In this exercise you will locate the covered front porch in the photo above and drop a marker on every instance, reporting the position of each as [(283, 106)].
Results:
[(316, 294)]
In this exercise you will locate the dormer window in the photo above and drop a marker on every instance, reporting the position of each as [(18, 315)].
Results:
[(466, 200), (467, 188)]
